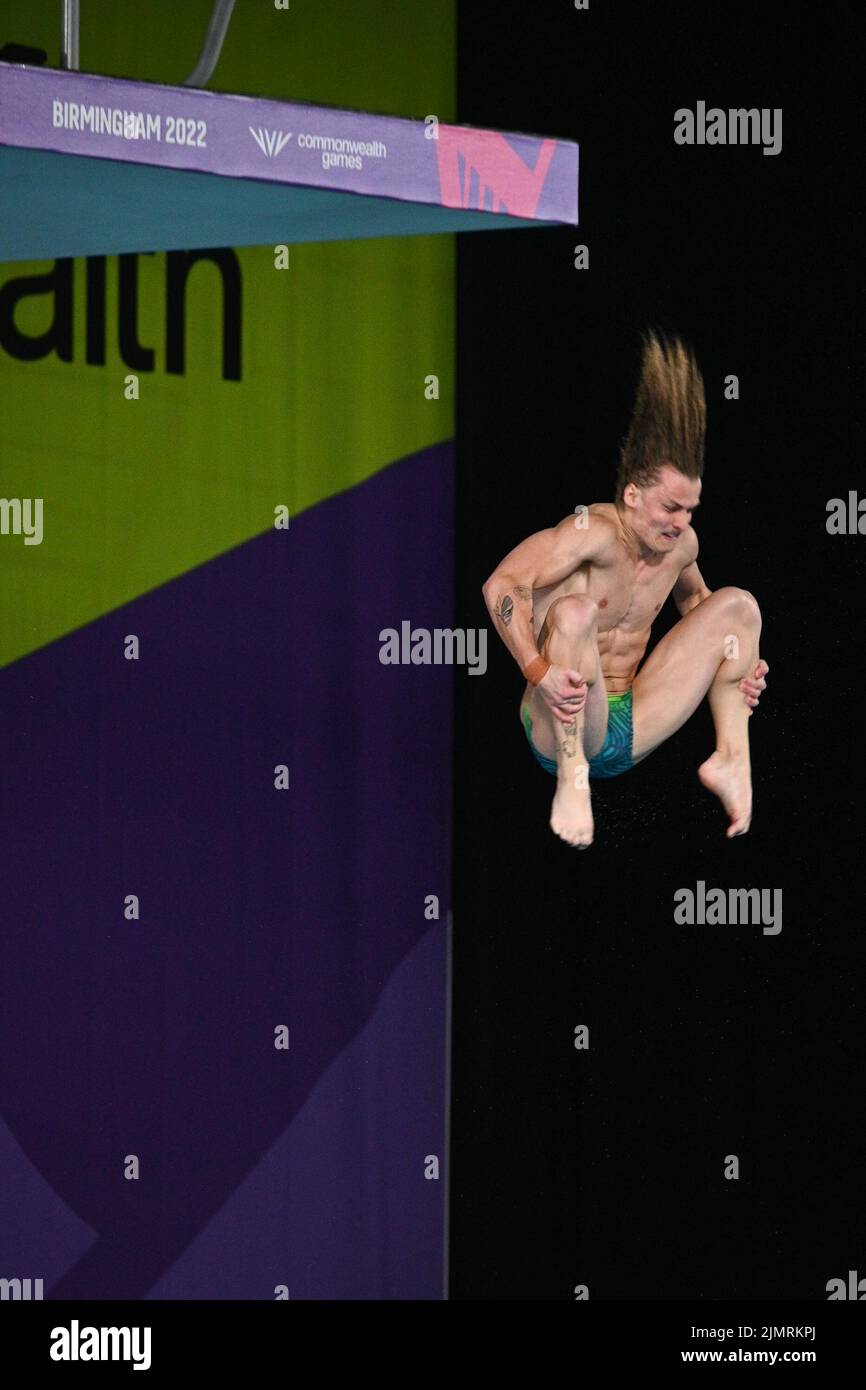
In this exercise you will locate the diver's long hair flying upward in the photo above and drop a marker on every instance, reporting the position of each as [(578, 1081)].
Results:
[(669, 419)]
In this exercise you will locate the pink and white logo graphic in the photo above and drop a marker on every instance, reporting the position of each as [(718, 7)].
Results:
[(512, 186)]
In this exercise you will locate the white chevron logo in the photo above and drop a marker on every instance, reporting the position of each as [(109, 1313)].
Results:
[(270, 142)]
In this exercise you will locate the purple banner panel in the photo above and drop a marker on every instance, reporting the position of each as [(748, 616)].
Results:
[(293, 143), (168, 911)]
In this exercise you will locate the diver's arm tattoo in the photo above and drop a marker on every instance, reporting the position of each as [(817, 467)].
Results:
[(505, 609)]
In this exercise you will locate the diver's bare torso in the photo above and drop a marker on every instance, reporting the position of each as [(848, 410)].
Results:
[(629, 593)]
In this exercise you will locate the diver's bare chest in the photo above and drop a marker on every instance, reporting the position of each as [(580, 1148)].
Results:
[(628, 600)]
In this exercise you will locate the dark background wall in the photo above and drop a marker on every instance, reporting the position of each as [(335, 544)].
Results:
[(605, 1167)]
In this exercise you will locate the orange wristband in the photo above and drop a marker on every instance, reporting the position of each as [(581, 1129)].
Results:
[(536, 670)]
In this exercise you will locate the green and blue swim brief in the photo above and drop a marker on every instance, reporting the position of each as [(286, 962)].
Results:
[(615, 755)]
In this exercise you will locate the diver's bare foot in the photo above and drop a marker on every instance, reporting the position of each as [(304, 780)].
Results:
[(731, 780), (571, 814)]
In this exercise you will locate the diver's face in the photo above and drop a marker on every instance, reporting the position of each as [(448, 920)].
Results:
[(663, 510)]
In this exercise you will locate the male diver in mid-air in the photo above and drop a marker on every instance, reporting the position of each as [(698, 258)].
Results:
[(575, 604)]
